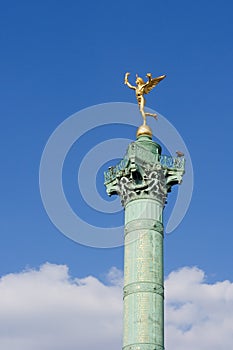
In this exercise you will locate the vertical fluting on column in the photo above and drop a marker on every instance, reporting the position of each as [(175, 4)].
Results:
[(143, 276)]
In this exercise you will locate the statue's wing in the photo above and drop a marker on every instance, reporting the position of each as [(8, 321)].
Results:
[(151, 84)]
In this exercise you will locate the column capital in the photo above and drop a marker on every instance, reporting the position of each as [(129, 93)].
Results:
[(144, 173)]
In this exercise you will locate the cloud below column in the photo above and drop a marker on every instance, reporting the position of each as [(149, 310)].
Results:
[(198, 315), (47, 309)]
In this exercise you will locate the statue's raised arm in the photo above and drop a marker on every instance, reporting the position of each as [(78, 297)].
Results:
[(127, 82)]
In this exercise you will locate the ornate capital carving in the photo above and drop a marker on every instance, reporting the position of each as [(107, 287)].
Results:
[(144, 173), (144, 182)]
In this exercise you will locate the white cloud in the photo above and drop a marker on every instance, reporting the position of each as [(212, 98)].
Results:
[(46, 309), (198, 315), (115, 277)]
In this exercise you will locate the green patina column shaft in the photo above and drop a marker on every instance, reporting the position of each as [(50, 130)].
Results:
[(142, 179)]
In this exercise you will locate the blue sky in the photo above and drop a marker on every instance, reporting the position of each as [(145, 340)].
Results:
[(59, 57)]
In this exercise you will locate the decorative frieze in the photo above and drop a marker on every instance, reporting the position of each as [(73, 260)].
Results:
[(148, 224), (148, 287), (143, 347)]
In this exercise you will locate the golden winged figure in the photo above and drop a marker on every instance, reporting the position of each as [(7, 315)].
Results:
[(143, 88)]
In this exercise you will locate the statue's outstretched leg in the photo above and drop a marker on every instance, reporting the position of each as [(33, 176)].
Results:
[(152, 115)]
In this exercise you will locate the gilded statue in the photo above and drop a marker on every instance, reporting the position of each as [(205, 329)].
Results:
[(143, 88)]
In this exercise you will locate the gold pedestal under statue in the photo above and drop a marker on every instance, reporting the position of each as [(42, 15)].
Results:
[(144, 130)]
